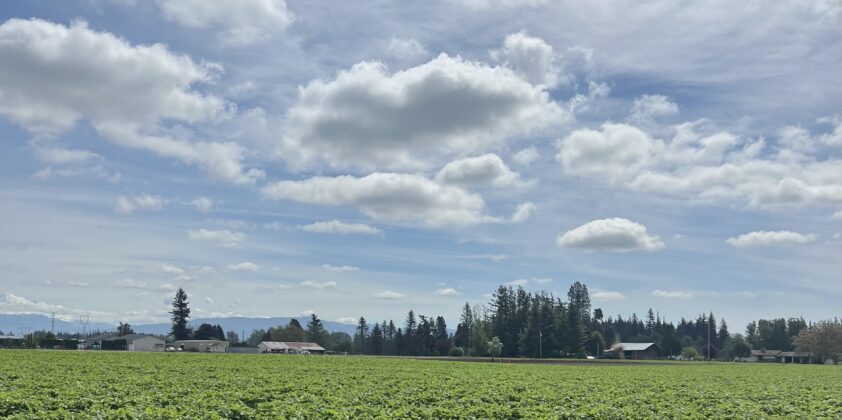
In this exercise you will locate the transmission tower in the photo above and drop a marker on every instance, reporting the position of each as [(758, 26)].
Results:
[(83, 324)]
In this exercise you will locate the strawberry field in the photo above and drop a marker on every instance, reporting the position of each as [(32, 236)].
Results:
[(53, 384)]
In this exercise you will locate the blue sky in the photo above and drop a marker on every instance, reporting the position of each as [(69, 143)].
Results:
[(275, 158)]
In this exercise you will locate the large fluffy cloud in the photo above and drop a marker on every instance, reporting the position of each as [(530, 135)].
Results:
[(708, 166), (367, 118), (768, 238), (614, 234), (242, 21), (388, 196), (52, 76)]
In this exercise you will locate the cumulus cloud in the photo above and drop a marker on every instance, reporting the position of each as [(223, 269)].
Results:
[(525, 157), (388, 295), (57, 155), (406, 49), (11, 303), (518, 283), (313, 284), (242, 21), (244, 266), (769, 238), (336, 227), (616, 234), (388, 196), (448, 291), (673, 294), (481, 171), (369, 119), (126, 205), (710, 166), (649, 107), (523, 212), (607, 296), (339, 268), (224, 238), (204, 204), (531, 58), (125, 91), (837, 215)]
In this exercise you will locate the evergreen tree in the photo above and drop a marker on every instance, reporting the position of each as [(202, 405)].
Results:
[(723, 335), (316, 332), (180, 314), (360, 337), (375, 340), (122, 329)]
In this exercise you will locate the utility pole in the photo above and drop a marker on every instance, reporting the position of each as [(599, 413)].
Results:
[(53, 323), (708, 339), (540, 344)]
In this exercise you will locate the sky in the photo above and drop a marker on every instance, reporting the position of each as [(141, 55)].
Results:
[(277, 158)]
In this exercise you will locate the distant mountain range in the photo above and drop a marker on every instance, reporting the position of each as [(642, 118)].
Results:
[(15, 324)]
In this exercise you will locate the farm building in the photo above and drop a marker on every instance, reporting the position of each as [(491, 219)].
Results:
[(208, 346), (12, 341), (290, 347), (635, 351), (130, 342), (765, 355)]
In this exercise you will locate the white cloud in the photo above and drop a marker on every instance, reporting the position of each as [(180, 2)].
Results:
[(388, 295), (141, 202), (125, 91), (339, 268), (369, 119), (209, 300), (388, 196), (406, 50), (607, 296), (504, 4), (448, 291), (11, 303), (523, 212), (518, 283), (168, 269), (649, 107), (481, 171), (58, 155), (224, 238), (673, 295), (242, 21), (837, 215), (542, 280), (526, 156), (614, 234), (769, 238), (347, 320), (204, 204), (341, 228), (308, 312), (709, 166), (531, 58), (313, 284), (243, 266)]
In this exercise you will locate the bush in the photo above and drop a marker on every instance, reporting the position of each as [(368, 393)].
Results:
[(689, 353), (457, 352)]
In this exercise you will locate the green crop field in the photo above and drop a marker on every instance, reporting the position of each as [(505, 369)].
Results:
[(39, 384)]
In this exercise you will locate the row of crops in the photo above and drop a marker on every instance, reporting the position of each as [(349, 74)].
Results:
[(43, 384)]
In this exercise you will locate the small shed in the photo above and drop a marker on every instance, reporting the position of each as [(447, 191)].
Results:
[(635, 351), (205, 346), (143, 342), (290, 347)]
